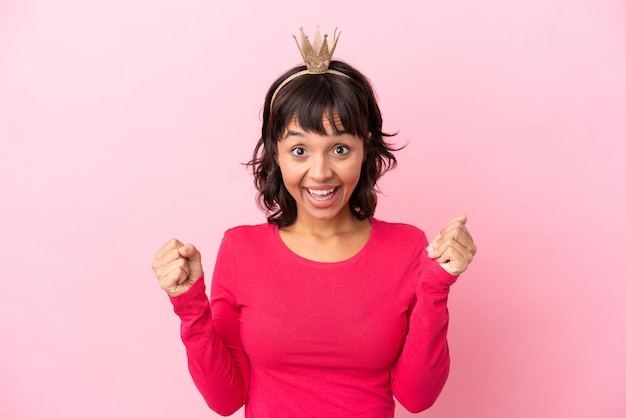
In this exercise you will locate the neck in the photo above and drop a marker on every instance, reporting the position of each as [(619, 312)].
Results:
[(323, 228)]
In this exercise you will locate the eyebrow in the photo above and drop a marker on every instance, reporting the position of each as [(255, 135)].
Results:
[(294, 133)]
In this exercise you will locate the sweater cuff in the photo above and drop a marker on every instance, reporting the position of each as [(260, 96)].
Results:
[(193, 299), (439, 279)]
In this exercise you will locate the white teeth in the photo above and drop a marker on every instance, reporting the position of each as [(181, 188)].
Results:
[(322, 194)]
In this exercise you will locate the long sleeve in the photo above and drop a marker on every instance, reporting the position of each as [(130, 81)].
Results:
[(217, 361), (422, 368)]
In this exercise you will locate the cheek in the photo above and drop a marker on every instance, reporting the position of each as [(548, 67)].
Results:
[(354, 172), (290, 175)]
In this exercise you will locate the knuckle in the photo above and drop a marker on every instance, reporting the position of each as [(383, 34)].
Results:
[(175, 272), (181, 272), (162, 275)]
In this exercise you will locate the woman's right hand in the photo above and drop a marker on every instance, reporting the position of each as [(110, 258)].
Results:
[(177, 266)]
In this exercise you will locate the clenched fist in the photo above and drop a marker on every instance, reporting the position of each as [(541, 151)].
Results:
[(177, 266), (453, 247)]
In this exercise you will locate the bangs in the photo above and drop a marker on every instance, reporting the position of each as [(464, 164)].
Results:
[(314, 98)]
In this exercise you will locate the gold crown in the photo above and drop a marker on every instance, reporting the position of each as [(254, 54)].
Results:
[(317, 57)]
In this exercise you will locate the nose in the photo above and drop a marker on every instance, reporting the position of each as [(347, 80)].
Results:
[(320, 168)]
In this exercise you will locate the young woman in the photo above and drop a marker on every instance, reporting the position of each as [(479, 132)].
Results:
[(324, 311)]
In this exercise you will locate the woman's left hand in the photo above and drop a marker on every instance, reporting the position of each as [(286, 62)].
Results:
[(453, 248)]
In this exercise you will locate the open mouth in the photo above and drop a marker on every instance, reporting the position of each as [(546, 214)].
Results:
[(321, 194)]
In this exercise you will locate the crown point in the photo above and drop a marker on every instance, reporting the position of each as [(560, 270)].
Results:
[(317, 56)]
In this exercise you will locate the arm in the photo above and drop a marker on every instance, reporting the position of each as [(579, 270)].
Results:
[(219, 370), (421, 370), (217, 362)]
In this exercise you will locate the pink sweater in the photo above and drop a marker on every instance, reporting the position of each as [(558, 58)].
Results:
[(291, 337)]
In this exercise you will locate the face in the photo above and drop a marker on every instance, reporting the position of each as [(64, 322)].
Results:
[(320, 171)]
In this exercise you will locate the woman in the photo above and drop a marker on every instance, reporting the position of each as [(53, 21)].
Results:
[(324, 311)]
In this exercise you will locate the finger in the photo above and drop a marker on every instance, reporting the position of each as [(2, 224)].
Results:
[(460, 218), (195, 261), (439, 248), (179, 271), (190, 252), (173, 274), (455, 260), (460, 254), (166, 258), (457, 223), (446, 237), (169, 245), (456, 231), (165, 273), (463, 237)]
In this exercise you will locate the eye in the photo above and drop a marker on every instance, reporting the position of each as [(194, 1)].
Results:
[(298, 151), (341, 150)]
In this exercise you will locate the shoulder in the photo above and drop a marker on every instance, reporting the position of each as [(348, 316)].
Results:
[(249, 233), (398, 231), (249, 244), (397, 239)]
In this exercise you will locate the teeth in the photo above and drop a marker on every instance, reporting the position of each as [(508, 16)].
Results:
[(322, 194)]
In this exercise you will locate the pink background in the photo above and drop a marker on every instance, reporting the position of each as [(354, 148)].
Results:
[(124, 123)]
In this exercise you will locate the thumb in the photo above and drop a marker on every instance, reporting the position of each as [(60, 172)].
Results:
[(461, 218), (194, 259), (190, 252)]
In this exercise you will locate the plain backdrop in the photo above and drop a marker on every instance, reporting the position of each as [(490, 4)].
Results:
[(125, 123)]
